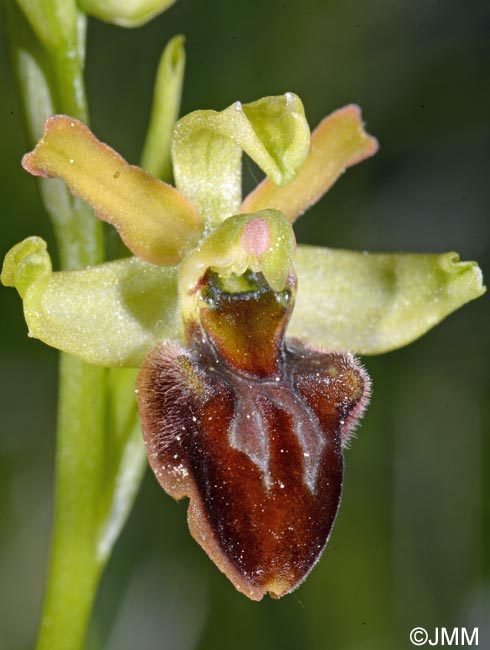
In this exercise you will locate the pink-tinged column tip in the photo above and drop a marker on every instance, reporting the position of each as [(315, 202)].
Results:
[(256, 237)]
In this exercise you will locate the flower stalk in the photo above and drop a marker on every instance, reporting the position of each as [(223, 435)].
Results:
[(74, 566)]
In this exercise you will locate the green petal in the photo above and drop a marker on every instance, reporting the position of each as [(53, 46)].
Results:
[(110, 315), (155, 221), (338, 142), (373, 303), (125, 13), (207, 150)]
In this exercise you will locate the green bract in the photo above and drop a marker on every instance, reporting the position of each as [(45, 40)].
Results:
[(115, 313), (165, 110)]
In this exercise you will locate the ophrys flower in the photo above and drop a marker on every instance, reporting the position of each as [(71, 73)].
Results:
[(241, 412)]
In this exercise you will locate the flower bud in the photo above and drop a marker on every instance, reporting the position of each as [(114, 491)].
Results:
[(126, 13)]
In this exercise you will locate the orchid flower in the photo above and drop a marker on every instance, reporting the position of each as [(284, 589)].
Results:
[(248, 390)]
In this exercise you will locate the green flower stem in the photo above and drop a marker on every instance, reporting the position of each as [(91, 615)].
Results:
[(74, 565), (70, 84), (75, 569), (79, 236)]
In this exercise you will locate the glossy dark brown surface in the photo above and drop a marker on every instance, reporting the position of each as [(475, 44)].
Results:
[(251, 430), (246, 329)]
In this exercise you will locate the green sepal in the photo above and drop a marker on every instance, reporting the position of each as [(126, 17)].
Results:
[(371, 303), (207, 150), (112, 314)]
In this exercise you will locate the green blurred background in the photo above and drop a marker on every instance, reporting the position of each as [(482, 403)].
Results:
[(411, 544)]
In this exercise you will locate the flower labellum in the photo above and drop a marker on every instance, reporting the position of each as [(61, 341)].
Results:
[(251, 426)]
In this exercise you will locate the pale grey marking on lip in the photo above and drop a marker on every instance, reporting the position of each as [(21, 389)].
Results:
[(250, 419)]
